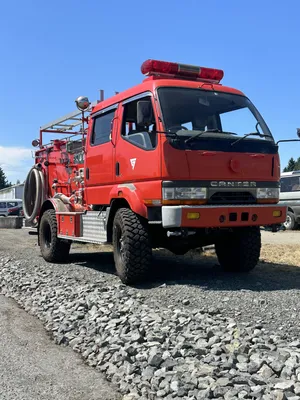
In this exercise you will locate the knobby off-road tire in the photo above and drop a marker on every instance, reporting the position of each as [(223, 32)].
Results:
[(239, 251), (53, 249), (132, 248)]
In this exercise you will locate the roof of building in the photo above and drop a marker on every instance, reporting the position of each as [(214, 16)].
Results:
[(12, 186)]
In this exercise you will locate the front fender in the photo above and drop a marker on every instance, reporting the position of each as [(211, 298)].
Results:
[(55, 204), (132, 195)]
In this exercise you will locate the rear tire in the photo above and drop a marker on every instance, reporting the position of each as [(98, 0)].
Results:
[(132, 248), (53, 249), (239, 251), (290, 222)]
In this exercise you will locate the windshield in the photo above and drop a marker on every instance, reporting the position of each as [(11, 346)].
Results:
[(219, 115)]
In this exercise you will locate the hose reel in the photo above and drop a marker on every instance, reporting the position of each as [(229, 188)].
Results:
[(34, 193)]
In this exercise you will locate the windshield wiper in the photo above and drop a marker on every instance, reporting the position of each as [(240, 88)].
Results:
[(250, 134), (167, 133), (190, 139)]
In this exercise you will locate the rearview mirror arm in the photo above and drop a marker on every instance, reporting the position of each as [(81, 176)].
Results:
[(287, 140)]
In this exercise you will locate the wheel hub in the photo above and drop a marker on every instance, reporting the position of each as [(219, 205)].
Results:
[(47, 236), (288, 221), (120, 243)]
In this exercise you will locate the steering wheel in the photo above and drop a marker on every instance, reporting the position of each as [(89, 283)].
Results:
[(177, 128)]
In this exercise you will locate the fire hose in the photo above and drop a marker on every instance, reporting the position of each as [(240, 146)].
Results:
[(34, 193)]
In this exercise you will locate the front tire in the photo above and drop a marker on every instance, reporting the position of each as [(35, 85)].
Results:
[(290, 223), (132, 248), (53, 249), (239, 251)]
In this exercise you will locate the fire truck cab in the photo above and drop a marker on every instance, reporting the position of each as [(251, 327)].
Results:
[(179, 161)]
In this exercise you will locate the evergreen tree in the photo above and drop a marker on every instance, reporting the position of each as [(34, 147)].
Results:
[(3, 180), (297, 165), (291, 165)]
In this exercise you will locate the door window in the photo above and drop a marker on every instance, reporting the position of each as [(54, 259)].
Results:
[(12, 204), (102, 128), (140, 134)]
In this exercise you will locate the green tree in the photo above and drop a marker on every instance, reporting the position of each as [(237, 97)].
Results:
[(3, 180), (297, 164), (18, 182), (291, 165)]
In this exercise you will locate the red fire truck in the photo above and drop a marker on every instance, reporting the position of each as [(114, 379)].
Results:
[(177, 162)]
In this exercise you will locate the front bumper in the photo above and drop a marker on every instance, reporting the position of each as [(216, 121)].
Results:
[(222, 216)]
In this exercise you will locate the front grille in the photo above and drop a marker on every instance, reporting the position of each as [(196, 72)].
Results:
[(232, 198)]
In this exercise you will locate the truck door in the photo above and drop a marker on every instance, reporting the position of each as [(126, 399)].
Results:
[(138, 150), (99, 157)]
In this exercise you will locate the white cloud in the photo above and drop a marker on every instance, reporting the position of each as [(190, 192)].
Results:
[(15, 162)]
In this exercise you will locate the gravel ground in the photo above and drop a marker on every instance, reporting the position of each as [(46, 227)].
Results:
[(32, 367), (192, 332)]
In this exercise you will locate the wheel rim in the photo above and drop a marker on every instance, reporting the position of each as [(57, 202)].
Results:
[(120, 244), (288, 221), (47, 236)]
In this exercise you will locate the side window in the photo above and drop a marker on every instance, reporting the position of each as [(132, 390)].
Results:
[(102, 128), (2, 204), (138, 132), (284, 184), (188, 125), (290, 184), (295, 184), (12, 204)]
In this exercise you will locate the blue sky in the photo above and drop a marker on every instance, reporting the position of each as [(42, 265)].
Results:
[(52, 52)]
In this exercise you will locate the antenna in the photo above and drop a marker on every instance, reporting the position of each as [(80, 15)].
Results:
[(101, 95)]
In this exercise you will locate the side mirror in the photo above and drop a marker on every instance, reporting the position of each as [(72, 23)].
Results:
[(298, 132), (144, 113)]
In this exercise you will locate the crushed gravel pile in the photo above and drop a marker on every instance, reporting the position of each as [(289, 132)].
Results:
[(153, 352)]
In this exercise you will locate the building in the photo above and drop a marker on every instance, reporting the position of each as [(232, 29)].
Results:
[(12, 192)]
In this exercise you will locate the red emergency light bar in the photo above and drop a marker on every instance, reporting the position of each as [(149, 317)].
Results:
[(170, 69)]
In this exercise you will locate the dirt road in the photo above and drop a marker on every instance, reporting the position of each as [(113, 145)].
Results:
[(287, 237), (32, 367)]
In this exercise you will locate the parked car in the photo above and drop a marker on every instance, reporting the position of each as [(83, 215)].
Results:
[(10, 207), (290, 196), (16, 211)]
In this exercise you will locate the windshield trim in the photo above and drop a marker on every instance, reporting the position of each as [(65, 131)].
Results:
[(257, 114)]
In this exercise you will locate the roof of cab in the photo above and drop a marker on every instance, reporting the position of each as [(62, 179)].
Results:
[(152, 83)]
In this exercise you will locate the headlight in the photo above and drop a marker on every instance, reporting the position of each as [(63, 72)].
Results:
[(268, 193), (184, 193)]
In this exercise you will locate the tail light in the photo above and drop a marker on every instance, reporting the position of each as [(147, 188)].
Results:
[(170, 69), (12, 209)]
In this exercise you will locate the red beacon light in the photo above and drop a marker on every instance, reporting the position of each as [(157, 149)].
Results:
[(175, 70)]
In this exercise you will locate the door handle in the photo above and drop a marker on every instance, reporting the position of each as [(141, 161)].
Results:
[(117, 169), (87, 173)]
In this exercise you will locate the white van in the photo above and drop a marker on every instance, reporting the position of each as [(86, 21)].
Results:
[(290, 196), (10, 207)]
